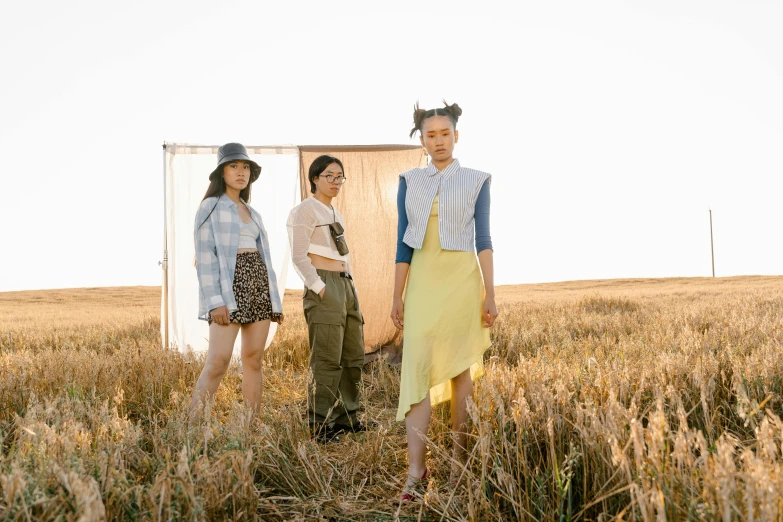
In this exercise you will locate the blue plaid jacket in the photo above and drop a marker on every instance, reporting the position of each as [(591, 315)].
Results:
[(217, 236)]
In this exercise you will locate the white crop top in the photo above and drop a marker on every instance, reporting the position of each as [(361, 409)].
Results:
[(248, 234), (307, 234)]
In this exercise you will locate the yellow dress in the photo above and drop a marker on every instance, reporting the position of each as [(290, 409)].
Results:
[(443, 333)]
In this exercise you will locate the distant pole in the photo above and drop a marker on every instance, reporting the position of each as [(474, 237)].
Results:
[(712, 247)]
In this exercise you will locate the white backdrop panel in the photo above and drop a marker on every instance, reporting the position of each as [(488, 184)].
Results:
[(273, 195)]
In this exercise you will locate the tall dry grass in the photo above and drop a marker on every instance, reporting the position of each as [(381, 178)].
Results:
[(647, 400)]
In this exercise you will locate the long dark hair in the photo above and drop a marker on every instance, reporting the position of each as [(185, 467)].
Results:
[(453, 112), (217, 185), (319, 165)]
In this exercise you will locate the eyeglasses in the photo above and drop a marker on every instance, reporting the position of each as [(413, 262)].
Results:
[(338, 180)]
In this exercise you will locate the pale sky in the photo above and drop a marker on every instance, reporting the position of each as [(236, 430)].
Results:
[(610, 127)]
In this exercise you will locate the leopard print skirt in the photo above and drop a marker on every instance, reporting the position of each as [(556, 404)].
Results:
[(251, 290)]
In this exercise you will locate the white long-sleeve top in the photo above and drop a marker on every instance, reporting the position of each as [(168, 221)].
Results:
[(308, 233)]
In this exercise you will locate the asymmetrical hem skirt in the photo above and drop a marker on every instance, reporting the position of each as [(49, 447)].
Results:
[(443, 333)]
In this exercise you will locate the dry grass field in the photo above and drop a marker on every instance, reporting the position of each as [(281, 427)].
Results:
[(644, 400)]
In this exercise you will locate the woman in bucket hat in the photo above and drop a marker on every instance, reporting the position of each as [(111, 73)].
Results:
[(237, 285)]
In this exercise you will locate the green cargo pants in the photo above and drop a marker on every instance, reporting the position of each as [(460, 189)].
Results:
[(334, 323)]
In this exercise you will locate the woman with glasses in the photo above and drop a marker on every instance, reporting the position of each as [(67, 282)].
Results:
[(444, 255), (321, 257)]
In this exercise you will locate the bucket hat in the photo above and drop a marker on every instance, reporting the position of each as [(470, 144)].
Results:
[(235, 152)]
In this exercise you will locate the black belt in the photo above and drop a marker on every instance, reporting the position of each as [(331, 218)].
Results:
[(346, 275)]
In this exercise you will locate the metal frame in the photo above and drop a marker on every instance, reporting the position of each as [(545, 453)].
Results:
[(165, 262), (257, 149)]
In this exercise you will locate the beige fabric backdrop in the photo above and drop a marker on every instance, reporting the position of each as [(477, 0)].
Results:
[(368, 202)]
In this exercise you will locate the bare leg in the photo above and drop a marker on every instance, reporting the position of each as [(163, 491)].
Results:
[(253, 341), (221, 345), (417, 422), (461, 389)]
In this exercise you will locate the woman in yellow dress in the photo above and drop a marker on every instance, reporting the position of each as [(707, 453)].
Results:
[(443, 222)]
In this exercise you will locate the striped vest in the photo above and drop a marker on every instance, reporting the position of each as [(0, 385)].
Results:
[(459, 189)]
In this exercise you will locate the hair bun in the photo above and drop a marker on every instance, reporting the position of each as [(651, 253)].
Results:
[(454, 109), (418, 118)]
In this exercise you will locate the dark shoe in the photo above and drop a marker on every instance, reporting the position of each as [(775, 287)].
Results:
[(356, 427), (323, 434)]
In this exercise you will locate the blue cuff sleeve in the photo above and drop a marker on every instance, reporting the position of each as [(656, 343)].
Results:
[(404, 251), (483, 239)]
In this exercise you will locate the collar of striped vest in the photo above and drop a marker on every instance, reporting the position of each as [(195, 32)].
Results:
[(452, 167)]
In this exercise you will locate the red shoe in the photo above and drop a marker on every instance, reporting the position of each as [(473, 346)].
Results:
[(414, 487)]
